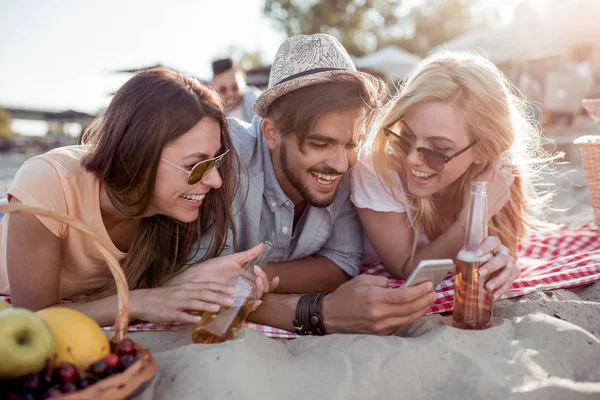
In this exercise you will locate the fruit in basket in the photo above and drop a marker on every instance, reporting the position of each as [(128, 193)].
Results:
[(79, 340), (49, 376), (4, 304), (32, 381), (112, 360), (68, 387), (67, 378), (52, 392), (99, 369), (126, 361), (68, 372), (26, 343), (83, 383), (126, 346)]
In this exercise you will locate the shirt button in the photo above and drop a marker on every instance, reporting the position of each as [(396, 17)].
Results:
[(284, 229), (273, 204)]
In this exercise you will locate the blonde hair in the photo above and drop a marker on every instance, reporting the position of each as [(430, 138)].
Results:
[(497, 118)]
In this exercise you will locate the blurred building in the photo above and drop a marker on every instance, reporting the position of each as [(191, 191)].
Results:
[(56, 135), (258, 77)]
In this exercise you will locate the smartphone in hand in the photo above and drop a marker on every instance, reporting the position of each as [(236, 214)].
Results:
[(429, 270)]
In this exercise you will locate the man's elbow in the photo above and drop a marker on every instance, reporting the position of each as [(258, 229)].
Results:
[(337, 276), (334, 281)]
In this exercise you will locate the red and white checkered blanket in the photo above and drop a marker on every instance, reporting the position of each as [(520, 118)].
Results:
[(561, 259)]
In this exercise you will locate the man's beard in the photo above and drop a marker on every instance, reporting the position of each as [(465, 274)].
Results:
[(300, 186)]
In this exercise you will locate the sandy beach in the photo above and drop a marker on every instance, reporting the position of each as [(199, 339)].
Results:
[(542, 346)]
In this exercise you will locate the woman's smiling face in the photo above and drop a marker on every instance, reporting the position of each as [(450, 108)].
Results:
[(173, 195), (441, 127)]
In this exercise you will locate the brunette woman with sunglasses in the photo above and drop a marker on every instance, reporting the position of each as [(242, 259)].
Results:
[(155, 173), (456, 120)]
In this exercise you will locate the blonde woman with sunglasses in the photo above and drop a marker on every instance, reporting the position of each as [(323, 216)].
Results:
[(156, 172), (455, 120)]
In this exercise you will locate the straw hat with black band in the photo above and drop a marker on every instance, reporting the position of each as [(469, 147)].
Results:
[(306, 60)]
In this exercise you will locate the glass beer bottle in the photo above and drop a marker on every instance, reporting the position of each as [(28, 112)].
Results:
[(225, 324), (472, 301)]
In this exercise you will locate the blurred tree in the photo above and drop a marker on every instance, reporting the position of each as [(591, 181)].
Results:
[(363, 26), (5, 129), (435, 22), (358, 24), (248, 60)]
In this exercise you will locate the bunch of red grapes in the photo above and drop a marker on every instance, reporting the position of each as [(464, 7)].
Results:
[(66, 378)]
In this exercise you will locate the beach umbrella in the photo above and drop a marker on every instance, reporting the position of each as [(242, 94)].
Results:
[(391, 61), (474, 40)]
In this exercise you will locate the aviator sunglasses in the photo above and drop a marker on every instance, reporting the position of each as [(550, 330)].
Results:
[(434, 159), (202, 169)]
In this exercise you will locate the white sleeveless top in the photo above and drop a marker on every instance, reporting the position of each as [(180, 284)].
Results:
[(368, 192)]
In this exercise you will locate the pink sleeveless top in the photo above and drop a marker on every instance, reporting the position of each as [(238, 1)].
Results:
[(56, 180)]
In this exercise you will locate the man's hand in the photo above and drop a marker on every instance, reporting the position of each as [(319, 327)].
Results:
[(366, 304)]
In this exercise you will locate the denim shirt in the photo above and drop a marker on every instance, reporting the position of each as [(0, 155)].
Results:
[(262, 211), (248, 101)]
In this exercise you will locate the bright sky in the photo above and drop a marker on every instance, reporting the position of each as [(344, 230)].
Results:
[(63, 54)]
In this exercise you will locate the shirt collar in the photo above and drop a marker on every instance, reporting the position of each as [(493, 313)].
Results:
[(273, 191)]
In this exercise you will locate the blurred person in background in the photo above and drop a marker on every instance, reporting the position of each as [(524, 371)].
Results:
[(230, 82)]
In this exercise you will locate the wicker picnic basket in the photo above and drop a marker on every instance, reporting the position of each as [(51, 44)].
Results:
[(133, 380), (589, 146)]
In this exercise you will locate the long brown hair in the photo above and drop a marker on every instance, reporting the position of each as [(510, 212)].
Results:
[(498, 118), (148, 112)]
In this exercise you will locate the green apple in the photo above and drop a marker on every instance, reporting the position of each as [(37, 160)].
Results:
[(25, 343), (4, 304)]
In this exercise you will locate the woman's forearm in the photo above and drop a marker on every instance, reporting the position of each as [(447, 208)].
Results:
[(447, 245), (103, 310)]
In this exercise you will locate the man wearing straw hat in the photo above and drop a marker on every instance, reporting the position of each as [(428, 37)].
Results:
[(295, 193)]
